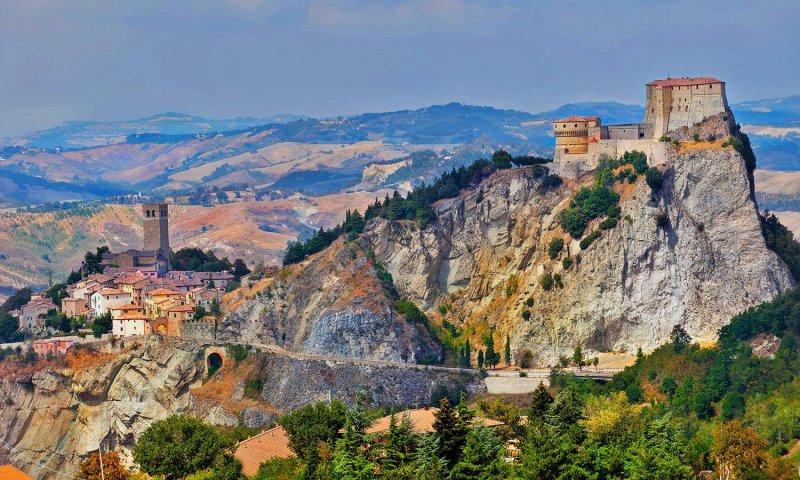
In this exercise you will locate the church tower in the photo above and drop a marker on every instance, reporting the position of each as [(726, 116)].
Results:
[(155, 220)]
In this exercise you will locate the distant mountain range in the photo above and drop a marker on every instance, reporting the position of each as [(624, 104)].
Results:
[(83, 134), (174, 152)]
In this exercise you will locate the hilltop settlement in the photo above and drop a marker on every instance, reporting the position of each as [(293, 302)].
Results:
[(621, 310)]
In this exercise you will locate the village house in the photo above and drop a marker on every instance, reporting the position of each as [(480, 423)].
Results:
[(214, 279), (203, 297), (73, 307), (52, 346), (118, 311), (160, 298), (133, 284), (130, 325), (177, 315), (33, 313), (106, 298)]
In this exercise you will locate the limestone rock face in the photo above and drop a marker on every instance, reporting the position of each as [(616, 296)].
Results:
[(70, 412), (58, 416), (484, 259), (333, 305)]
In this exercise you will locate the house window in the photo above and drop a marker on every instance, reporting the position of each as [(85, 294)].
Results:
[(147, 213)]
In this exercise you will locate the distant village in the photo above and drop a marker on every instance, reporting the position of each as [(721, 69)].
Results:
[(137, 291)]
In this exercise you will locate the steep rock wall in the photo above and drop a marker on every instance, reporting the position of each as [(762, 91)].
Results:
[(60, 415), (484, 259), (332, 305)]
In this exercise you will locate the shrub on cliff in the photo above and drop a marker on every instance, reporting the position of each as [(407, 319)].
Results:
[(586, 241), (555, 247), (654, 178), (547, 282), (781, 241)]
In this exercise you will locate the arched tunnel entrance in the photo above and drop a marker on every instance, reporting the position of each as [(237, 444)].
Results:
[(213, 363)]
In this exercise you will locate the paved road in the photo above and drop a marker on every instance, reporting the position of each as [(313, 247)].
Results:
[(589, 372)]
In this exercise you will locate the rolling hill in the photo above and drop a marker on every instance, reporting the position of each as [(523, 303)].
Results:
[(86, 134)]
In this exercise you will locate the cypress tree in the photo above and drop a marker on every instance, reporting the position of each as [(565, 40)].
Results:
[(507, 353), (480, 358)]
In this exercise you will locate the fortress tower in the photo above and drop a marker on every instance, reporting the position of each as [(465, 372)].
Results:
[(155, 220), (683, 102)]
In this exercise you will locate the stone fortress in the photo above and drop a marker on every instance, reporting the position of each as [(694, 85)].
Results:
[(671, 104)]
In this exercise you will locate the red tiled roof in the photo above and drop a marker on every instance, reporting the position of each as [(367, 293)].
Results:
[(125, 307), (111, 291), (8, 472), (180, 308), (255, 450), (162, 291), (683, 82), (422, 421), (577, 118)]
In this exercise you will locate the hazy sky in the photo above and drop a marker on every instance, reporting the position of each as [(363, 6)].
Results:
[(107, 59)]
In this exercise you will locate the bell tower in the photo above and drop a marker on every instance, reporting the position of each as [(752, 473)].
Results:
[(155, 221)]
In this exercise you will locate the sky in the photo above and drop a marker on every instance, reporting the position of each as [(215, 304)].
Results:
[(113, 60)]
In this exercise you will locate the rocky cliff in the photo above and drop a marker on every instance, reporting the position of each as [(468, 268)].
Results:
[(333, 305), (484, 258), (55, 413)]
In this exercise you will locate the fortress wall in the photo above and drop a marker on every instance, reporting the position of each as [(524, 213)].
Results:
[(573, 166)]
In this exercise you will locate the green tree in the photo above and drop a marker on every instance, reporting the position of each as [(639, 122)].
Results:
[(577, 357), (507, 351), (400, 445), (491, 357), (540, 402), (733, 406), (451, 431), (481, 359), (502, 159), (311, 426), (102, 324), (91, 261), (8, 328), (680, 338), (178, 446), (481, 457), (279, 469)]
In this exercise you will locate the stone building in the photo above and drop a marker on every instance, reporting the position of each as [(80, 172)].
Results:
[(683, 102), (580, 142), (155, 222)]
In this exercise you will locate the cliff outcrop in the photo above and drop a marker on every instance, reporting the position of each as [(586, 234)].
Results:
[(334, 305), (484, 258), (56, 413)]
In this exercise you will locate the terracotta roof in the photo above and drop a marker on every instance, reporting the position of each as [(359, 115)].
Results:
[(577, 118), (70, 299), (131, 316), (111, 291), (39, 301), (8, 472), (683, 82), (262, 447), (125, 307), (422, 420), (162, 291), (129, 278), (213, 275), (99, 277), (180, 308)]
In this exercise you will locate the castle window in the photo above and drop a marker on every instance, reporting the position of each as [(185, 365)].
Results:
[(147, 213)]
